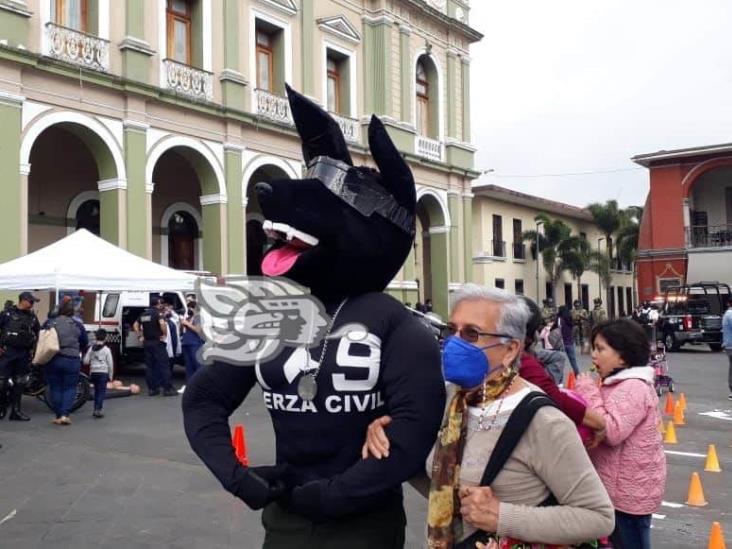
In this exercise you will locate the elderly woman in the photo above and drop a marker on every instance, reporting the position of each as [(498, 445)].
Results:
[(547, 492)]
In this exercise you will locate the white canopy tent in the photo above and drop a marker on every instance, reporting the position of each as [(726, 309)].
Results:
[(83, 261)]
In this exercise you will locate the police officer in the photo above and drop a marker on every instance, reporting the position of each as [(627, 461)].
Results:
[(580, 318), (599, 314), (152, 330), (19, 328)]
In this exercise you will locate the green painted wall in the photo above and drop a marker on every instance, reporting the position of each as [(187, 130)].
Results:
[(307, 29), (405, 70), (135, 18), (10, 189), (409, 269), (109, 210), (197, 37), (453, 206), (438, 268), (468, 238), (135, 64), (234, 95), (403, 139), (231, 34), (14, 28), (377, 55), (93, 17), (459, 157), (137, 222), (452, 93), (466, 100), (235, 213), (212, 241)]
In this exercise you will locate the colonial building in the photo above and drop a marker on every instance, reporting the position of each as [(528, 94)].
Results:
[(686, 232), (148, 121), (502, 259)]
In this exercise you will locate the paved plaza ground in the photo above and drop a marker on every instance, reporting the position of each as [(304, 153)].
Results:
[(130, 479)]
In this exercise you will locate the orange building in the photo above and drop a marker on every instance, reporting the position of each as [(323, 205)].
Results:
[(686, 231)]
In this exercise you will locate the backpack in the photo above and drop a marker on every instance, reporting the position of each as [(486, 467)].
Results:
[(18, 330)]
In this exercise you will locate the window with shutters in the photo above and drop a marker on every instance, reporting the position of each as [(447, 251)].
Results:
[(179, 27)]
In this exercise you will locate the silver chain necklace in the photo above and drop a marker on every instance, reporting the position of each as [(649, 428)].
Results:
[(307, 387)]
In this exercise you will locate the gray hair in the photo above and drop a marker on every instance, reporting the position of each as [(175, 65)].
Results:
[(514, 313)]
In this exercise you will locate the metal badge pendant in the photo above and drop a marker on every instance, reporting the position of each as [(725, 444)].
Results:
[(307, 387)]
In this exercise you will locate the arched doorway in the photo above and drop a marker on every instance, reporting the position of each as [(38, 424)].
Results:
[(182, 238), (257, 240), (427, 97), (87, 216), (431, 252)]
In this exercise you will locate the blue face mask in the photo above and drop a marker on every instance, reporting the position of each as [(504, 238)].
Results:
[(465, 364)]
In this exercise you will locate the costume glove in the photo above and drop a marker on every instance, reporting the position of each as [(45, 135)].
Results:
[(260, 486)]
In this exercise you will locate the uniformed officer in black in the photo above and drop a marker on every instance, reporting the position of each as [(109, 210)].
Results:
[(19, 328), (152, 329)]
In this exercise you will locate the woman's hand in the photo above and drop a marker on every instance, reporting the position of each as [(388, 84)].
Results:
[(585, 376), (593, 420), (479, 507), (492, 544), (377, 443)]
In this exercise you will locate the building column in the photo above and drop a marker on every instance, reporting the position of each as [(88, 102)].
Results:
[(453, 206), (468, 235), (439, 259), (233, 82), (13, 180), (136, 50), (452, 94), (405, 71), (112, 211), (467, 138), (307, 51), (377, 65), (214, 233), (14, 22), (139, 191), (236, 209)]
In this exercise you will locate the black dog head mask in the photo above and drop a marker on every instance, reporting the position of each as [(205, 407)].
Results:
[(343, 230)]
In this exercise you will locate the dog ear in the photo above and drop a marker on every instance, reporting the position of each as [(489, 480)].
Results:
[(320, 134), (395, 173)]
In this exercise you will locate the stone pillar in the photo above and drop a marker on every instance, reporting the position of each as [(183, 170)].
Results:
[(468, 235), (439, 269), (377, 65), (113, 210), (307, 50), (214, 233), (452, 94), (405, 71), (233, 82), (139, 205), (14, 22), (453, 206), (467, 138), (236, 213), (136, 50), (13, 180)]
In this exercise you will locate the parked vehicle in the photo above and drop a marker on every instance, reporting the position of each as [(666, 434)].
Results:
[(692, 313)]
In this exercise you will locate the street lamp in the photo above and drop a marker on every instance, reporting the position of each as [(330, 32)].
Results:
[(599, 276), (538, 257)]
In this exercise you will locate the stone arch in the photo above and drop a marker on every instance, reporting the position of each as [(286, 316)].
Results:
[(691, 178), (263, 160), (76, 203), (427, 54), (436, 204), (101, 142), (431, 252), (165, 220)]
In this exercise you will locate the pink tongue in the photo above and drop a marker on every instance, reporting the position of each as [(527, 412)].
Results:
[(279, 261)]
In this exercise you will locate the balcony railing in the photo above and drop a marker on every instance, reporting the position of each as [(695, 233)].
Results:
[(519, 250), (429, 148), (709, 236), (77, 47), (273, 107), (498, 247), (350, 127), (190, 81)]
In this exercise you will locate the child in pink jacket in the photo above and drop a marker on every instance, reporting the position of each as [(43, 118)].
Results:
[(630, 458)]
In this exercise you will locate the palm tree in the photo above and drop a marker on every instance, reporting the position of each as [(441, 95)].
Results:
[(552, 242), (628, 236), (609, 218), (578, 257)]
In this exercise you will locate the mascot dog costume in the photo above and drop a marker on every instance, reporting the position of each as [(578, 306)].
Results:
[(353, 229)]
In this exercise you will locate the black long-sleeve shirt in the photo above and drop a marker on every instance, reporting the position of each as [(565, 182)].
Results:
[(395, 371)]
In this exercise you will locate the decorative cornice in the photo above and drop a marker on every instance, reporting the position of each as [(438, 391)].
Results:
[(112, 185), (234, 148), (379, 20), (210, 199), (441, 229), (136, 44), (19, 8), (288, 7), (405, 29), (230, 75), (452, 52), (453, 192), (339, 26), (452, 142), (403, 285), (455, 286), (468, 196), (25, 169), (135, 125), (11, 99)]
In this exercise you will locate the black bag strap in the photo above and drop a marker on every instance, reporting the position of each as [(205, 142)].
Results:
[(514, 429)]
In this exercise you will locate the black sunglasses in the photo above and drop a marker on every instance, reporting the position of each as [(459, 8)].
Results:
[(468, 333)]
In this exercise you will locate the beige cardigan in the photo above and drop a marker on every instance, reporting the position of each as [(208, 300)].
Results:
[(550, 458)]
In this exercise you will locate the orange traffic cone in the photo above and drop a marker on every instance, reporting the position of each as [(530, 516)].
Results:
[(669, 409), (716, 537), (571, 381), (679, 415), (682, 400), (240, 445), (670, 437), (696, 492), (712, 464)]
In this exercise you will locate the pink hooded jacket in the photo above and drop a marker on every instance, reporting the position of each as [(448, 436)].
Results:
[(630, 461)]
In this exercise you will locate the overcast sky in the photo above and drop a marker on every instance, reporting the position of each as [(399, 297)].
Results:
[(581, 86)]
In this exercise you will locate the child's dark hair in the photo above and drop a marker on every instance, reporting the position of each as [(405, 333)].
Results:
[(627, 338), (100, 334)]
